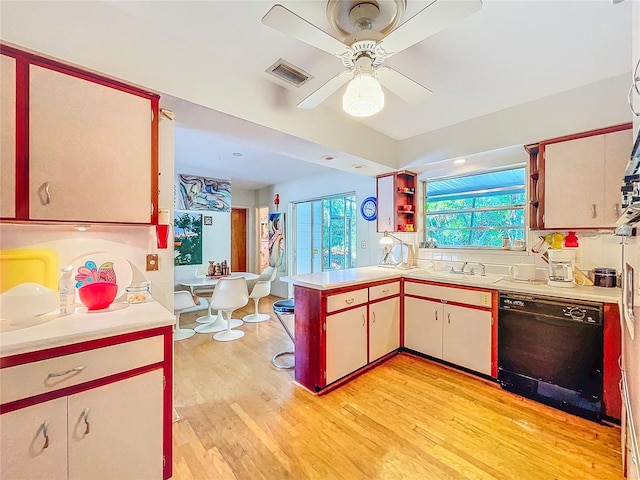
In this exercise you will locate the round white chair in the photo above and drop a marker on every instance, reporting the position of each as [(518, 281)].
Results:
[(261, 289), (181, 301), (229, 295)]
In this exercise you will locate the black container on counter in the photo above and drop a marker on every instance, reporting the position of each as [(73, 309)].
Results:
[(604, 277)]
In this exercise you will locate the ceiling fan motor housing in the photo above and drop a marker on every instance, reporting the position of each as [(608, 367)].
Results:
[(363, 15)]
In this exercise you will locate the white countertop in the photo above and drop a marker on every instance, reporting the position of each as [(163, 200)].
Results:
[(55, 331), (355, 276)]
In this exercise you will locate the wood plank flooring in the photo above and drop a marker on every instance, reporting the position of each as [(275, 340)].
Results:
[(409, 418)]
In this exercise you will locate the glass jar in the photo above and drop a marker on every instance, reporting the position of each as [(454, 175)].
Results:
[(138, 292)]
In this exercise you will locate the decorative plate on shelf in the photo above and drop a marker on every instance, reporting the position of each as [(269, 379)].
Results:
[(369, 208), (102, 267)]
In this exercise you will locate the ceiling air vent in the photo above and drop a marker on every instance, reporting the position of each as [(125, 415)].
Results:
[(289, 73)]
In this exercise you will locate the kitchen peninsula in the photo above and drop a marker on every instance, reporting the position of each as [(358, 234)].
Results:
[(348, 321)]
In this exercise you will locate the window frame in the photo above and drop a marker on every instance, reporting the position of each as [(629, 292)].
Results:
[(523, 207)]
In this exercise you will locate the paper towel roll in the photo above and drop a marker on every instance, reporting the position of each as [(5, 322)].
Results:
[(163, 217)]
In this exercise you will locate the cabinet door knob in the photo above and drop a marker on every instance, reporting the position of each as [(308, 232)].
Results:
[(45, 433), (45, 195), (436, 312)]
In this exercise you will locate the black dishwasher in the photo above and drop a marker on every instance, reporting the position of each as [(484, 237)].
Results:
[(550, 350)]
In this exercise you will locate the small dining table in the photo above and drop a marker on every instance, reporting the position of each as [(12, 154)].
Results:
[(210, 322)]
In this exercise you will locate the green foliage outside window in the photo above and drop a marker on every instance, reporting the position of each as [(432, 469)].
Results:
[(338, 233), (476, 216)]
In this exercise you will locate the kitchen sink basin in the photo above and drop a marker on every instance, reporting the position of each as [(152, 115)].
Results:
[(458, 277)]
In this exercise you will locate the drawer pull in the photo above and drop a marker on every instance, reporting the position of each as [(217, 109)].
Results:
[(364, 320), (385, 291), (62, 374), (45, 195), (85, 417), (594, 212), (620, 362), (448, 318), (349, 301), (45, 433), (436, 315)]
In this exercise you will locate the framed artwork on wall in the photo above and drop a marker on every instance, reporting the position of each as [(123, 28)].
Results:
[(202, 193), (276, 242), (187, 248)]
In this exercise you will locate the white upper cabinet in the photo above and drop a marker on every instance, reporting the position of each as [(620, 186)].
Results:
[(8, 136), (89, 151), (582, 180)]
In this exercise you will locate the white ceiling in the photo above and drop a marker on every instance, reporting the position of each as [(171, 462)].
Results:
[(215, 53)]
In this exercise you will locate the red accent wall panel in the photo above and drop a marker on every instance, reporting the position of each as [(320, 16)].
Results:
[(611, 369), (310, 340)]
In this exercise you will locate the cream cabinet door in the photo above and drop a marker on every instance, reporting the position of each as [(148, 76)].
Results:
[(386, 205), (24, 450), (115, 431), (617, 148), (423, 326), (574, 191), (346, 343), (467, 338), (384, 327), (8, 138), (89, 151)]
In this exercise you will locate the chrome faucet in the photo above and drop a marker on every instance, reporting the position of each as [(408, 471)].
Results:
[(483, 270)]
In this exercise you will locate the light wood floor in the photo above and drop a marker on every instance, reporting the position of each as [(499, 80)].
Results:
[(406, 419)]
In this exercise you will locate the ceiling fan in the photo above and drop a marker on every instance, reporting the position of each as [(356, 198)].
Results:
[(370, 36)]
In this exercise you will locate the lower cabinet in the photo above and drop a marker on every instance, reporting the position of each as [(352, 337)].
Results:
[(346, 340), (98, 411), (461, 335), (384, 327), (104, 433)]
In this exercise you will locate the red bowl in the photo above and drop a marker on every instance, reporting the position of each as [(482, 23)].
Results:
[(99, 295)]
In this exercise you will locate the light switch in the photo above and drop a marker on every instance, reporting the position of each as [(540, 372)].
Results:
[(152, 262), (485, 299)]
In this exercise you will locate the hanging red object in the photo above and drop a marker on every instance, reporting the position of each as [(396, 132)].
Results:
[(276, 201)]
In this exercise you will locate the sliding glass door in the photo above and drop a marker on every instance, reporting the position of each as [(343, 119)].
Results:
[(325, 234)]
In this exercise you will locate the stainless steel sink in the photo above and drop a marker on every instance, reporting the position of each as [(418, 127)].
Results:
[(458, 277)]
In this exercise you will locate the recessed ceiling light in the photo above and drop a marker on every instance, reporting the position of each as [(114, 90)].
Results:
[(236, 154), (358, 165), (459, 161), (328, 158), (81, 228)]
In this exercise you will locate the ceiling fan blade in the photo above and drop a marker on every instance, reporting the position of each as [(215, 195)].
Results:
[(285, 21), (437, 16), (410, 91), (326, 90)]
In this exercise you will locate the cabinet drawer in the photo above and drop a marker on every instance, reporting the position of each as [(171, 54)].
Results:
[(29, 379), (346, 300), (383, 291), (449, 294)]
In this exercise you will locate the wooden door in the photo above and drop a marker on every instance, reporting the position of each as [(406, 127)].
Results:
[(239, 239)]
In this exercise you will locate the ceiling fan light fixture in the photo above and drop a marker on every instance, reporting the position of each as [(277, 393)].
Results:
[(364, 96)]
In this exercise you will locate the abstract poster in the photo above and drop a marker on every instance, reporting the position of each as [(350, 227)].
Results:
[(202, 193), (187, 248), (276, 241)]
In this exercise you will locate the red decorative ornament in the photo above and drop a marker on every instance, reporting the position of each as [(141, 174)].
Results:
[(276, 201)]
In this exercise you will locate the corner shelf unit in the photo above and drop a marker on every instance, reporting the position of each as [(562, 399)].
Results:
[(396, 194)]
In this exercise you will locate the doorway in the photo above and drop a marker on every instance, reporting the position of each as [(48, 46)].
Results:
[(239, 239)]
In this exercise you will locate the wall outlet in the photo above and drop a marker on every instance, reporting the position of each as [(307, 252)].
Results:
[(152, 262), (363, 244)]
